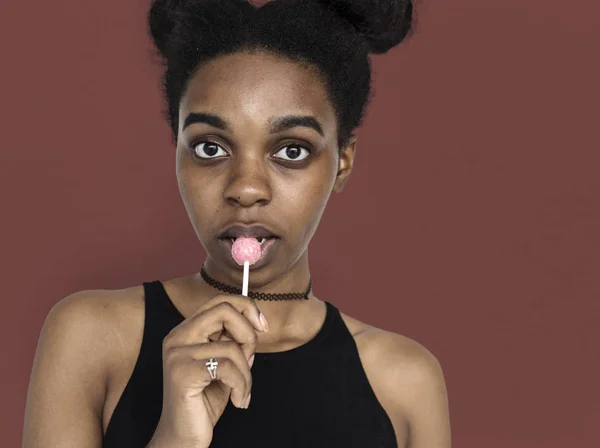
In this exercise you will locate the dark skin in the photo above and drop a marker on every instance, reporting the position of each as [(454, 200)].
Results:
[(97, 333), (251, 179)]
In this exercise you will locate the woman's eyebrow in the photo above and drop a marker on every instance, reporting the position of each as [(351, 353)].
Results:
[(200, 117), (281, 124), (278, 124)]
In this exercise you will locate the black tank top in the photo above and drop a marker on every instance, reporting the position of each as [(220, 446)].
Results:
[(316, 395)]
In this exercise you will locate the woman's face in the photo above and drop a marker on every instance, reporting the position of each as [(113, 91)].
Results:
[(257, 156)]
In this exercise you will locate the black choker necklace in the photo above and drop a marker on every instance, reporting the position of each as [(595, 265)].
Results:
[(255, 295)]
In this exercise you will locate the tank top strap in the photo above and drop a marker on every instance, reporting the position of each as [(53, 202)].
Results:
[(161, 314), (347, 372), (160, 317), (137, 413), (335, 333)]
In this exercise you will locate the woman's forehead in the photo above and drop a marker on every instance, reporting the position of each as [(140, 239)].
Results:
[(257, 85)]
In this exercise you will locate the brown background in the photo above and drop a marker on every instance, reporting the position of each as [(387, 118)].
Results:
[(475, 203)]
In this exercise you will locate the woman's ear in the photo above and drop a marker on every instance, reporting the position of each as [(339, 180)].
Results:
[(345, 164)]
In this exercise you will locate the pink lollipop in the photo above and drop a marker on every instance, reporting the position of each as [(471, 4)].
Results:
[(246, 251)]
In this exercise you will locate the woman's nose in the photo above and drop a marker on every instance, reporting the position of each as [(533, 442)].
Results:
[(249, 184)]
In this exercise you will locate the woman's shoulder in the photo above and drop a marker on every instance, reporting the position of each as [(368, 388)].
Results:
[(104, 322), (376, 342), (402, 372), (113, 308), (392, 358), (87, 340), (102, 310), (110, 321)]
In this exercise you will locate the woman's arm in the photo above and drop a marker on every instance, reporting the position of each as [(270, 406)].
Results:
[(68, 381), (412, 385), (427, 404)]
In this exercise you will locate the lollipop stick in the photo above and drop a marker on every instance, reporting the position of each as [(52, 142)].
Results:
[(246, 275)]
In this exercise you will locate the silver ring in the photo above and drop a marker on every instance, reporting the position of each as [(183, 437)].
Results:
[(211, 365)]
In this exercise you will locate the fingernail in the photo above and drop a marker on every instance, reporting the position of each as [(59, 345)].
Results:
[(248, 400), (251, 361), (263, 321)]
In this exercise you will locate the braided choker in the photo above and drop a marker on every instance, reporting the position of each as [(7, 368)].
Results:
[(255, 295)]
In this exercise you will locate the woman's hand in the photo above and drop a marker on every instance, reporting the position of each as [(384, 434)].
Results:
[(192, 401)]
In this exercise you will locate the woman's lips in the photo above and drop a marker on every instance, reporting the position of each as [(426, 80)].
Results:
[(266, 250)]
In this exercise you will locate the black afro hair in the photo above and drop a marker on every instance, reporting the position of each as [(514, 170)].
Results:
[(333, 36)]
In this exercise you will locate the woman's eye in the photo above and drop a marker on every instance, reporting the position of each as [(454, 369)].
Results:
[(208, 150), (295, 153)]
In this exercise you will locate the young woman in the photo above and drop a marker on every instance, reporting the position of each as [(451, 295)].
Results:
[(262, 102)]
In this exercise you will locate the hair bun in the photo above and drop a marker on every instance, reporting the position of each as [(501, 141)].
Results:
[(382, 23), (161, 21)]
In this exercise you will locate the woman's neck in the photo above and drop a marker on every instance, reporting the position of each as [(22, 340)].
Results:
[(283, 316)]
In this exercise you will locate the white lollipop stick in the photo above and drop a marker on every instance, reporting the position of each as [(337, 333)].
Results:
[(246, 276), (245, 250)]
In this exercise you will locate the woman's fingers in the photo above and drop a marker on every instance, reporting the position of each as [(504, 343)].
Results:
[(244, 305), (187, 365), (236, 315), (188, 347)]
